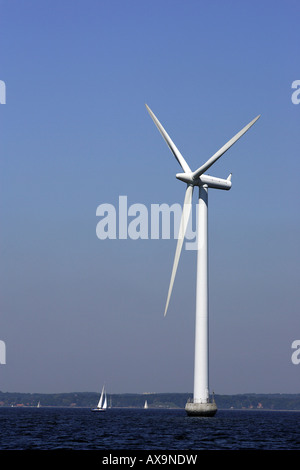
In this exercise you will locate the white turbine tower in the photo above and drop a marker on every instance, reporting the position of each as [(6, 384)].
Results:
[(201, 404)]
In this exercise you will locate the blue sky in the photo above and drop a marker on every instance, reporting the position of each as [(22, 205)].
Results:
[(77, 311)]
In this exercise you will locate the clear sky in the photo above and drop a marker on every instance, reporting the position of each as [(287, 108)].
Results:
[(77, 311)]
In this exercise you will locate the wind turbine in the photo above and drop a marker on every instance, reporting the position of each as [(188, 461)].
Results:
[(201, 405)]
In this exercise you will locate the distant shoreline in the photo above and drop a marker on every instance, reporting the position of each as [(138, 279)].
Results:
[(139, 408), (247, 401)]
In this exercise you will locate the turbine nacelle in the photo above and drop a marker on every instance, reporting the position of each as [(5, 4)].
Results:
[(209, 181)]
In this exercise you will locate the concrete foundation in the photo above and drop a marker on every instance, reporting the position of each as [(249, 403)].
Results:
[(201, 409)]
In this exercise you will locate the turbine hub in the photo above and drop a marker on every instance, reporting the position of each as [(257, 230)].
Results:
[(186, 178)]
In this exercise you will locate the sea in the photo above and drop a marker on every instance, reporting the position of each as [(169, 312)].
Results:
[(162, 433)]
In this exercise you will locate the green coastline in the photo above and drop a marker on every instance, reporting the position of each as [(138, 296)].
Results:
[(247, 401)]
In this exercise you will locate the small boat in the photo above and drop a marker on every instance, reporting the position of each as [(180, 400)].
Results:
[(102, 404), (146, 405), (39, 404)]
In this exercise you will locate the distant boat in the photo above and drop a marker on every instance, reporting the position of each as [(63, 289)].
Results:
[(38, 405), (102, 404), (146, 405)]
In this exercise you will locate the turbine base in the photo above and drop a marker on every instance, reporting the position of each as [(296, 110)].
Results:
[(201, 409)]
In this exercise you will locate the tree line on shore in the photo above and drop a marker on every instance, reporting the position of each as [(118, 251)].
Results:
[(154, 400)]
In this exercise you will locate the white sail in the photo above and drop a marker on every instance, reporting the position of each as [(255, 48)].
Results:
[(102, 404), (101, 399), (146, 404), (105, 403)]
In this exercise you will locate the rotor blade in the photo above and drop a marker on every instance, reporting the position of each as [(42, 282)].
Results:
[(170, 143), (186, 210), (222, 150)]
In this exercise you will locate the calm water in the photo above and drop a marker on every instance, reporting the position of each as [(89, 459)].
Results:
[(131, 429)]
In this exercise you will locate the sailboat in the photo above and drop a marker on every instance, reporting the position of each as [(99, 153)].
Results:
[(146, 404), (102, 404)]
